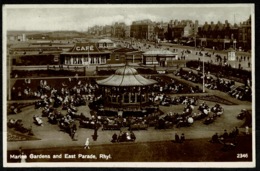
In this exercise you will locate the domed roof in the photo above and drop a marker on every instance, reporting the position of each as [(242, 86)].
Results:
[(125, 77), (126, 71)]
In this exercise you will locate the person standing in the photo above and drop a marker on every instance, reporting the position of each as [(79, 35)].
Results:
[(247, 130), (236, 131), (20, 150), (23, 158), (177, 138), (182, 138), (75, 136), (95, 136), (87, 144)]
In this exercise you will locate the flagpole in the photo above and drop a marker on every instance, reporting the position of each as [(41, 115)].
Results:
[(203, 67), (88, 54)]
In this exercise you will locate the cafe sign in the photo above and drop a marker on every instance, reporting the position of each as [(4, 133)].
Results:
[(85, 47)]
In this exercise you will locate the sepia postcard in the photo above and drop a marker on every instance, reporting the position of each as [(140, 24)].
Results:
[(136, 85)]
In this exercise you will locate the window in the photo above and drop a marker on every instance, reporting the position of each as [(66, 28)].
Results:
[(117, 57)]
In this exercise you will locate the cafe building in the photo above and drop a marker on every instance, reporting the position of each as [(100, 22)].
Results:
[(84, 54)]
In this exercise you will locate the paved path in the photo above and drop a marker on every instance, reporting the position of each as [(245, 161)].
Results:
[(193, 56)]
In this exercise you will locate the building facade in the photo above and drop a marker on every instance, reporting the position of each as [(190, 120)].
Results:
[(181, 30), (124, 55), (143, 29), (118, 30), (224, 35), (245, 34), (160, 31)]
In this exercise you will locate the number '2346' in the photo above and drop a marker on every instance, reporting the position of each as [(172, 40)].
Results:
[(242, 155)]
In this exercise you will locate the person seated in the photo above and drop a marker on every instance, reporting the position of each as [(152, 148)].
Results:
[(38, 120), (124, 136), (15, 110), (128, 137), (132, 135), (66, 121), (225, 135), (215, 138), (69, 118), (229, 146), (12, 121), (234, 133), (114, 137)]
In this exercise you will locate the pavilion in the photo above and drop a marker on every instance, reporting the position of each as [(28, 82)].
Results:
[(126, 91), (161, 57)]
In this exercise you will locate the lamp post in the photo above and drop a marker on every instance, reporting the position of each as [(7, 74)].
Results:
[(195, 41), (203, 74), (9, 64)]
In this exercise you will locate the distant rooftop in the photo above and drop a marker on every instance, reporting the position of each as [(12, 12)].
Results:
[(159, 53), (105, 41)]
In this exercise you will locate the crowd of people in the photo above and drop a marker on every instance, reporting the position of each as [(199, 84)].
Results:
[(64, 89), (73, 87), (229, 140), (68, 122), (221, 70), (123, 136), (70, 93), (67, 94), (240, 92), (18, 125), (169, 85)]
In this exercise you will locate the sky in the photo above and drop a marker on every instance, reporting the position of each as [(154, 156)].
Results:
[(80, 17)]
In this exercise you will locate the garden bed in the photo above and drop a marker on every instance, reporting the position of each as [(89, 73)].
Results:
[(45, 73), (228, 72), (139, 70), (16, 136), (216, 99)]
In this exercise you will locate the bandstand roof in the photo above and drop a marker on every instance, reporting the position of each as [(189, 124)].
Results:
[(159, 53), (126, 77)]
